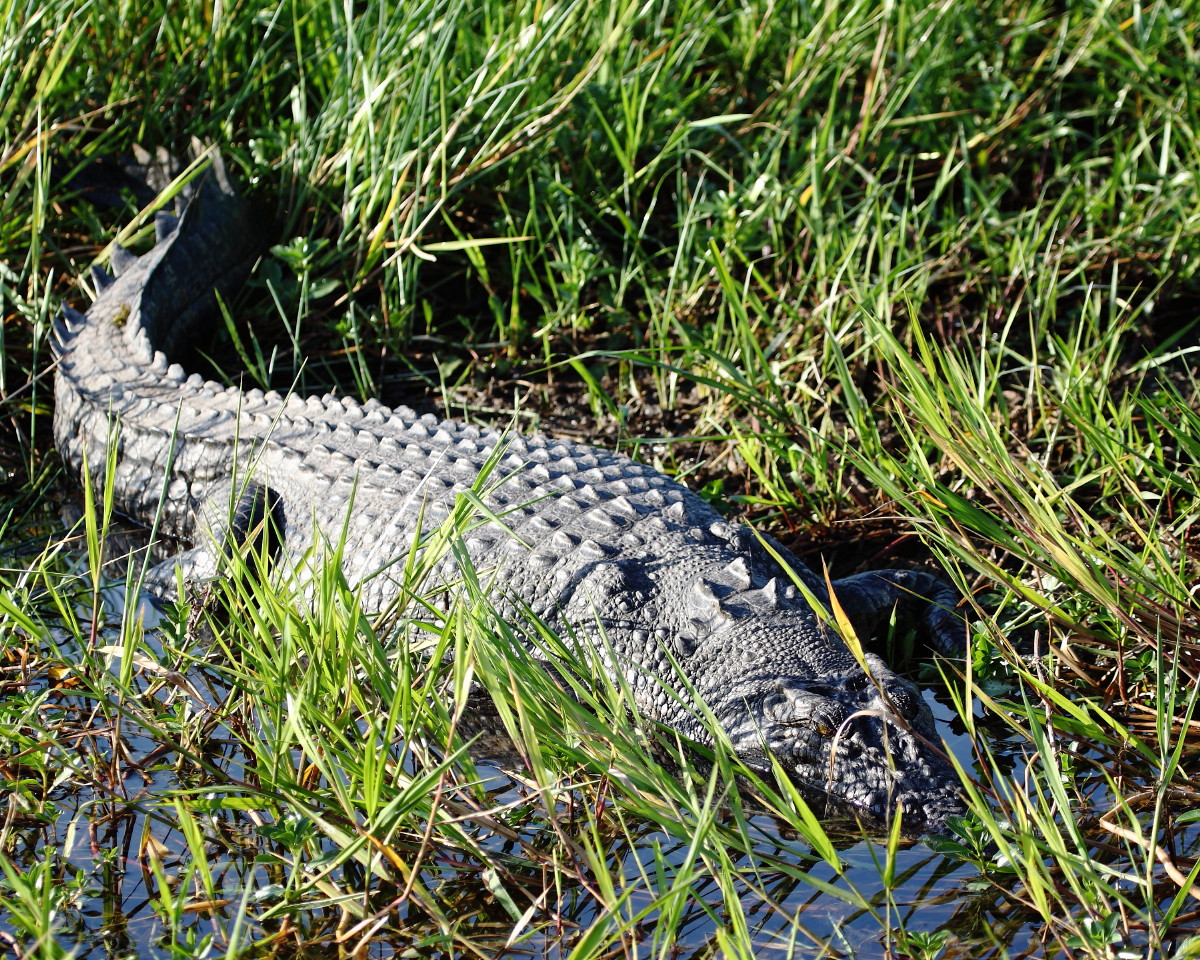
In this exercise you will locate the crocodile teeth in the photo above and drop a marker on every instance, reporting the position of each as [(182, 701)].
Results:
[(121, 259), (101, 277)]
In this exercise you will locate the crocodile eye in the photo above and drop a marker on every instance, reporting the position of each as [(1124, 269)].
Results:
[(904, 702), (798, 707)]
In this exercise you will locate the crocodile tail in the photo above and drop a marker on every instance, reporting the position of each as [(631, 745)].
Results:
[(203, 252), (164, 299), (66, 324)]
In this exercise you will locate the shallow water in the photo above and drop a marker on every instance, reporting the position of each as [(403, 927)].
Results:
[(97, 839)]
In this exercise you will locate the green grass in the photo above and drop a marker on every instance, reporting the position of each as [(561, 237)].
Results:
[(912, 280)]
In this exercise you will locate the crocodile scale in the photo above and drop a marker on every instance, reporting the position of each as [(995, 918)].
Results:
[(587, 539)]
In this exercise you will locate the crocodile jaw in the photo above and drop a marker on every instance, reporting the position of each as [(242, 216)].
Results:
[(864, 753)]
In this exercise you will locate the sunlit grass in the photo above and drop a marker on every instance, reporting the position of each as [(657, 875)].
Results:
[(930, 266)]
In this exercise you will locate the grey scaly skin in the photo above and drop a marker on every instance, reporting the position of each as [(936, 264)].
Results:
[(591, 540)]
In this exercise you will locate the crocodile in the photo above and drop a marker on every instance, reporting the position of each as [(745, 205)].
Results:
[(686, 606)]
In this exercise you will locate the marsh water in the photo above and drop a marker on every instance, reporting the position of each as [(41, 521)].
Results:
[(105, 854)]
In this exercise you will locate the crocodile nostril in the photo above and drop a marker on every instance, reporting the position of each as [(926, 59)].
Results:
[(857, 683)]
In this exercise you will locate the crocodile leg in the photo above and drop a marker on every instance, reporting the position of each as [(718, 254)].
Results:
[(246, 519), (869, 597)]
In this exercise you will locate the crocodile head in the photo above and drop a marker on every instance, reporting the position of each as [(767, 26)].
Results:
[(856, 743)]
